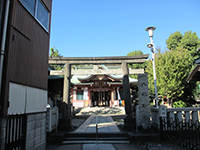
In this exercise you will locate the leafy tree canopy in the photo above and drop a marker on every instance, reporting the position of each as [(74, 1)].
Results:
[(134, 53), (189, 41), (55, 53), (172, 69), (174, 40), (179, 104), (135, 66)]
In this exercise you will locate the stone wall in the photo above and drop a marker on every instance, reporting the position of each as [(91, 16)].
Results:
[(36, 131)]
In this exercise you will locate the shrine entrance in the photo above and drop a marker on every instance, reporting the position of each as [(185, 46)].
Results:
[(100, 98), (130, 120)]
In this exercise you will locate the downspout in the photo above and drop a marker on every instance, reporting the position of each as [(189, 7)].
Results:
[(3, 41)]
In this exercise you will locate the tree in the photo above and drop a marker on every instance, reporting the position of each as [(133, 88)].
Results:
[(189, 41), (173, 66), (174, 40), (135, 66), (179, 104), (172, 69), (55, 53)]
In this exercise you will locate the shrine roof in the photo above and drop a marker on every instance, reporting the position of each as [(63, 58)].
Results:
[(76, 79)]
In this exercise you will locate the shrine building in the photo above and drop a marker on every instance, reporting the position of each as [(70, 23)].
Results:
[(98, 89)]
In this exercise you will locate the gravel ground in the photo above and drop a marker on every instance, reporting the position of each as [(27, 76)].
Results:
[(100, 111)]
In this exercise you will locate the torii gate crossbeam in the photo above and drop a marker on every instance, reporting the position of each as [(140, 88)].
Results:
[(99, 60), (92, 71)]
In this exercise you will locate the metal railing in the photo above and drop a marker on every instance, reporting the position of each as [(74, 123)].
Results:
[(185, 134), (16, 132)]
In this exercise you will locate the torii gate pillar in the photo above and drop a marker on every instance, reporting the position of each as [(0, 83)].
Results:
[(129, 120), (66, 123)]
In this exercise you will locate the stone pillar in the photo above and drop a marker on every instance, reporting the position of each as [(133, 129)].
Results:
[(129, 120), (66, 123), (144, 104), (66, 88), (126, 89)]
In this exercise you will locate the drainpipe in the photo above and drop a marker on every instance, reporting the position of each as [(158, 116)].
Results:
[(3, 41)]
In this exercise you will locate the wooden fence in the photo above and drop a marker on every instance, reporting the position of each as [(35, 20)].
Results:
[(16, 132), (182, 114), (52, 119)]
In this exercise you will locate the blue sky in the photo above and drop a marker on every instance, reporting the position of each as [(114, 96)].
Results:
[(93, 28)]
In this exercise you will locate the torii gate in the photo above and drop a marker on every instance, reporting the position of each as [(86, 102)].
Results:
[(67, 72)]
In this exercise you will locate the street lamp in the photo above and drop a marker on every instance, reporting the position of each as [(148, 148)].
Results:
[(151, 45)]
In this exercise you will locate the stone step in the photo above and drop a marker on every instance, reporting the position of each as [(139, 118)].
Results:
[(93, 134), (96, 138), (152, 136), (95, 142), (80, 138)]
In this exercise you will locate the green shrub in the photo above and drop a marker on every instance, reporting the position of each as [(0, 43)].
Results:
[(179, 104)]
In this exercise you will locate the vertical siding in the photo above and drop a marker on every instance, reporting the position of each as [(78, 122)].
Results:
[(29, 49), (48, 3), (2, 3)]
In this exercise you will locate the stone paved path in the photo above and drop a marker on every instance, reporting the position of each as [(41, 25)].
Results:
[(105, 124)]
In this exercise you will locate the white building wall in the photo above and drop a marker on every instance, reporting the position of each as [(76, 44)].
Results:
[(24, 99), (17, 99)]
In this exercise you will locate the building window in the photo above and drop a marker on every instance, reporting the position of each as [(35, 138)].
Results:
[(79, 95), (30, 5), (38, 10), (42, 14)]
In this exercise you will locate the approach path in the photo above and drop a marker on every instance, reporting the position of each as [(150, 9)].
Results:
[(106, 125)]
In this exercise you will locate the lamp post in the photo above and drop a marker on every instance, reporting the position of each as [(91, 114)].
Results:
[(151, 45)]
